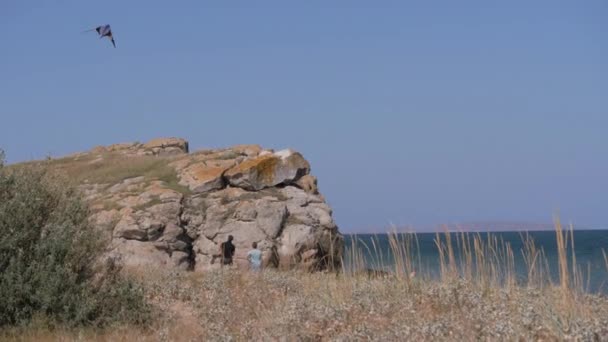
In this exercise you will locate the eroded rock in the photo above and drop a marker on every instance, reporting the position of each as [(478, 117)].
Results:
[(177, 216), (283, 167), (167, 146), (201, 178)]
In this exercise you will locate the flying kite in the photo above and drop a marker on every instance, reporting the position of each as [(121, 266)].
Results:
[(104, 31)]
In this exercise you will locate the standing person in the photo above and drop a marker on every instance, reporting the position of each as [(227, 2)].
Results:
[(254, 257), (227, 250)]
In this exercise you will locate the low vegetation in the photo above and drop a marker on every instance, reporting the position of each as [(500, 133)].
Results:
[(292, 305), (50, 269), (112, 168), (465, 302)]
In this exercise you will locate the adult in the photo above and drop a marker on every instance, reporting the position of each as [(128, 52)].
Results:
[(227, 250)]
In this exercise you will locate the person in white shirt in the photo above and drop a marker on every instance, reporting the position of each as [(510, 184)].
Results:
[(254, 257)]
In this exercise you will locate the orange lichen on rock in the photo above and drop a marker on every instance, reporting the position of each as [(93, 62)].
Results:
[(250, 164)]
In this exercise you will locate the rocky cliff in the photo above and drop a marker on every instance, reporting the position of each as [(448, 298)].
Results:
[(161, 205)]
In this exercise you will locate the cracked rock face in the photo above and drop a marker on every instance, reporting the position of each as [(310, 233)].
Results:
[(162, 206)]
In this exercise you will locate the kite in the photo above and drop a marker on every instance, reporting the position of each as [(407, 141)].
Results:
[(104, 31)]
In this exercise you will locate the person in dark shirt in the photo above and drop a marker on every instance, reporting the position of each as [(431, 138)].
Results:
[(227, 250)]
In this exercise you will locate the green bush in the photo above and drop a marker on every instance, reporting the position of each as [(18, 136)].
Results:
[(50, 256)]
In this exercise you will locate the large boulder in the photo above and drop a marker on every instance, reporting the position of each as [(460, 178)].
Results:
[(268, 170), (156, 147), (308, 183), (201, 178), (248, 150), (167, 146)]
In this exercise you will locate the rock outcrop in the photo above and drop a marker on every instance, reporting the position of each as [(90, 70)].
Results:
[(161, 205)]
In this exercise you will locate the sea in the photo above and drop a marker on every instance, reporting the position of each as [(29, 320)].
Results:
[(589, 248)]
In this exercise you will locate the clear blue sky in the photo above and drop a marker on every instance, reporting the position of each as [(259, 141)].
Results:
[(410, 112)]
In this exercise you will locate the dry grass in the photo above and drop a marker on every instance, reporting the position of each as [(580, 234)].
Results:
[(234, 305), (486, 265), (112, 168), (44, 334), (475, 297)]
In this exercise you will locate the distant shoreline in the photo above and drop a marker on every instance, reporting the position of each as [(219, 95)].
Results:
[(402, 231)]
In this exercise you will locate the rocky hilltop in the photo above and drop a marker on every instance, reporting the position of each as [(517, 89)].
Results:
[(161, 205)]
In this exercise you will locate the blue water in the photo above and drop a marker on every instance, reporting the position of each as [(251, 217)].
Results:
[(588, 245)]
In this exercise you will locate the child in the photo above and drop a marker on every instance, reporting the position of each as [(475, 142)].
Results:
[(254, 257)]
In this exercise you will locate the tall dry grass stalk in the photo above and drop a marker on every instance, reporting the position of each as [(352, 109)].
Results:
[(355, 257), (403, 247), (535, 261), (447, 260), (562, 255), (488, 261), (483, 259), (571, 278)]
